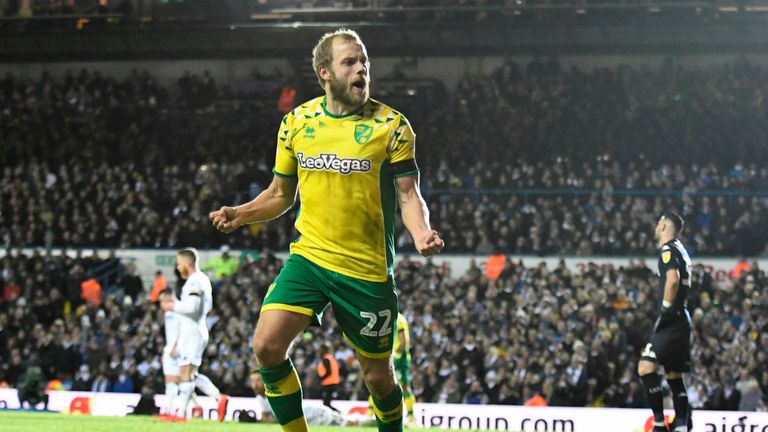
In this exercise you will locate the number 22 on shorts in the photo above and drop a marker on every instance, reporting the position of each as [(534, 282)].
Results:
[(372, 319)]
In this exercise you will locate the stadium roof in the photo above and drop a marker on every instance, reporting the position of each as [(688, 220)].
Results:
[(612, 28)]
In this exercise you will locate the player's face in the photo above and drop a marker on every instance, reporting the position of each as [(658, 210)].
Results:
[(659, 229), (182, 266), (349, 73)]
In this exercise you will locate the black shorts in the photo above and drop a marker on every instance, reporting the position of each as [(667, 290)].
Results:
[(670, 347)]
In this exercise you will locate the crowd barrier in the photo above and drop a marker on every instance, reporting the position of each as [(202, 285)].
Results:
[(431, 415)]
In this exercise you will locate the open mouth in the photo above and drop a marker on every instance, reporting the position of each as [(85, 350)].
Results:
[(359, 84)]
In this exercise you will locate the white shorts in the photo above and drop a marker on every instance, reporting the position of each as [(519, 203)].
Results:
[(190, 350), (170, 364)]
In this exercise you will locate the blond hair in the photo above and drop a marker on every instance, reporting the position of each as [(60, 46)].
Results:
[(322, 53), (191, 255)]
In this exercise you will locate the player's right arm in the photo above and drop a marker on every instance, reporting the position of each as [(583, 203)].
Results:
[(189, 304), (187, 307), (270, 204), (276, 199)]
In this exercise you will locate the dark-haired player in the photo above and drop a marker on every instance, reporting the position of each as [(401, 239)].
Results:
[(669, 344)]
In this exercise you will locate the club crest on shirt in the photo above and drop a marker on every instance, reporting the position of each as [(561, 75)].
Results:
[(363, 133), (666, 256)]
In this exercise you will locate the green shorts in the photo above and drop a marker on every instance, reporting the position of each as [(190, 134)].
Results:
[(366, 311), (403, 370)]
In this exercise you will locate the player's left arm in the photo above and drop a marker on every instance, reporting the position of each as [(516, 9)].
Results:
[(671, 286), (402, 161), (415, 216)]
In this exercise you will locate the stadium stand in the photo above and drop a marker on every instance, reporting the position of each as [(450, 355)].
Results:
[(572, 338), (514, 162)]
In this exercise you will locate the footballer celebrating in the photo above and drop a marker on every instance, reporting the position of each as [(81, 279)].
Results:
[(353, 161)]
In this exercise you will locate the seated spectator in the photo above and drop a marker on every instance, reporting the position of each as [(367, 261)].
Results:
[(123, 384), (101, 384)]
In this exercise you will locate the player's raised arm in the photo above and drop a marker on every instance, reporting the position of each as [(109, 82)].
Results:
[(415, 216), (271, 203)]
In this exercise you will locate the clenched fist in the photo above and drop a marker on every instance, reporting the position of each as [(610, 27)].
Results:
[(225, 219), (429, 244)]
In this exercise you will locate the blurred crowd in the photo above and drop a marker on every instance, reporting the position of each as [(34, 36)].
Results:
[(573, 339), (534, 159), (50, 8), (110, 341)]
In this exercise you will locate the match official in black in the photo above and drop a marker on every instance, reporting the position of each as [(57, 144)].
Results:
[(670, 343)]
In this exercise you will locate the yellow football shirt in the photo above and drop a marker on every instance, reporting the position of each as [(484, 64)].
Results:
[(402, 326), (346, 168)]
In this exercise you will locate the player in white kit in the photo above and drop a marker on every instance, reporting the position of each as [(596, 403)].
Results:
[(191, 310)]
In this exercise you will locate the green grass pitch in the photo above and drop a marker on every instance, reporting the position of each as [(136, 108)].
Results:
[(25, 421)]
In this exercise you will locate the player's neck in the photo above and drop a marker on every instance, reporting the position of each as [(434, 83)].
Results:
[(339, 108), (664, 240)]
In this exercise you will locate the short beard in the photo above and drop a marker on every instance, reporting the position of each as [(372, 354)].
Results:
[(340, 92)]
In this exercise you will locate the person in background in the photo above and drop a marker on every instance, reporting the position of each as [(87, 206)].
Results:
[(31, 387), (328, 373), (224, 265), (670, 343), (192, 309)]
